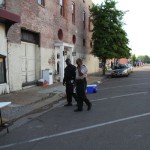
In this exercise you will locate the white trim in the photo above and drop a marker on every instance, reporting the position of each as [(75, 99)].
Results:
[(62, 46)]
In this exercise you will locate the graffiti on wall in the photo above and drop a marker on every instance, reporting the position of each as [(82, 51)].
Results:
[(51, 60)]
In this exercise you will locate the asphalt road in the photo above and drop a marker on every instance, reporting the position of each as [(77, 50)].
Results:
[(119, 120)]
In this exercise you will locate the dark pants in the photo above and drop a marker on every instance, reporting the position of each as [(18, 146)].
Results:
[(81, 95), (69, 92)]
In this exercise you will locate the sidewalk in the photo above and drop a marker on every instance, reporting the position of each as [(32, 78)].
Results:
[(30, 99)]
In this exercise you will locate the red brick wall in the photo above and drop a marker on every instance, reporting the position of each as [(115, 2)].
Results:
[(13, 34), (47, 21), (123, 61)]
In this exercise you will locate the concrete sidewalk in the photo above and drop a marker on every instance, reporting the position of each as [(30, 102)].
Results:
[(30, 99)]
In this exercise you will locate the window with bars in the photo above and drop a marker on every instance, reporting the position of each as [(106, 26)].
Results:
[(2, 70), (73, 12)]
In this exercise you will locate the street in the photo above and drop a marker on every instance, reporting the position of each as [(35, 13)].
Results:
[(119, 120)]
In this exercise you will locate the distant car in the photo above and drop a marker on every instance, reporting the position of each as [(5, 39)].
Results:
[(120, 70), (130, 68)]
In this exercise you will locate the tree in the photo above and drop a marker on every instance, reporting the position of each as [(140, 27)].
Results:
[(134, 59), (109, 38), (144, 58)]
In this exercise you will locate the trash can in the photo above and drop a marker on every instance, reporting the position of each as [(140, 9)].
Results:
[(47, 75)]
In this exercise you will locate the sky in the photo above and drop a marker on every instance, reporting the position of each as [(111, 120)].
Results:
[(137, 24)]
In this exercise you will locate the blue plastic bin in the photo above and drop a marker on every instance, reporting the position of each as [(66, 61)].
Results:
[(91, 88)]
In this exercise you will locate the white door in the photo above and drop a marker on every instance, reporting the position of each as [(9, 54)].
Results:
[(28, 62)]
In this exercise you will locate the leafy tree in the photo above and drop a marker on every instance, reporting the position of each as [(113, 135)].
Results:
[(144, 58), (140, 58), (133, 58), (109, 38)]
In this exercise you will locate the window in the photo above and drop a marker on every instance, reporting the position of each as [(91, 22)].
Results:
[(41, 2), (74, 39), (83, 42), (61, 2), (89, 23), (2, 3), (60, 34), (73, 12), (91, 44), (2, 69), (29, 36), (84, 19)]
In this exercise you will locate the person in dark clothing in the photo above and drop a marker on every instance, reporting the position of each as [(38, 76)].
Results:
[(69, 81), (81, 74)]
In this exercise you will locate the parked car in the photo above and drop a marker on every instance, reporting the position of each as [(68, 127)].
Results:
[(130, 68), (120, 70)]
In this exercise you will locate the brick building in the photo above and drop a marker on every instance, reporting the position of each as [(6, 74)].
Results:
[(40, 34)]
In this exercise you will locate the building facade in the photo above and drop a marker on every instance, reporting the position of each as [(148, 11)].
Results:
[(39, 35)]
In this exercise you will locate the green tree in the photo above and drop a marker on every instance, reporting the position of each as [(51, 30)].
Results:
[(133, 58), (109, 38), (144, 58), (140, 58), (147, 59)]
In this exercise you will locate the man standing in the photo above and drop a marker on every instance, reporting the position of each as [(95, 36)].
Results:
[(69, 81), (81, 74)]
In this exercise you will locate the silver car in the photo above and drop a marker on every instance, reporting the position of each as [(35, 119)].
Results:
[(120, 70), (130, 68)]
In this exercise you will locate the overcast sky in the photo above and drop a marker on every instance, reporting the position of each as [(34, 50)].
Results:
[(137, 24)]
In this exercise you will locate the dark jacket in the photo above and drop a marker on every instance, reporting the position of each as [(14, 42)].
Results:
[(69, 73)]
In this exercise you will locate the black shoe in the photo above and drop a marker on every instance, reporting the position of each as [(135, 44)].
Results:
[(68, 104), (89, 107), (77, 110)]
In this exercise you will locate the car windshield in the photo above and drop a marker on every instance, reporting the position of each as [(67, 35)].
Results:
[(120, 66)]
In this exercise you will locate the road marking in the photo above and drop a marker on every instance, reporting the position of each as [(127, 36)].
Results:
[(139, 78), (106, 98), (74, 131), (123, 86), (131, 94)]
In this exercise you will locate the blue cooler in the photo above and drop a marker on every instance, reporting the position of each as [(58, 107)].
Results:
[(91, 88)]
